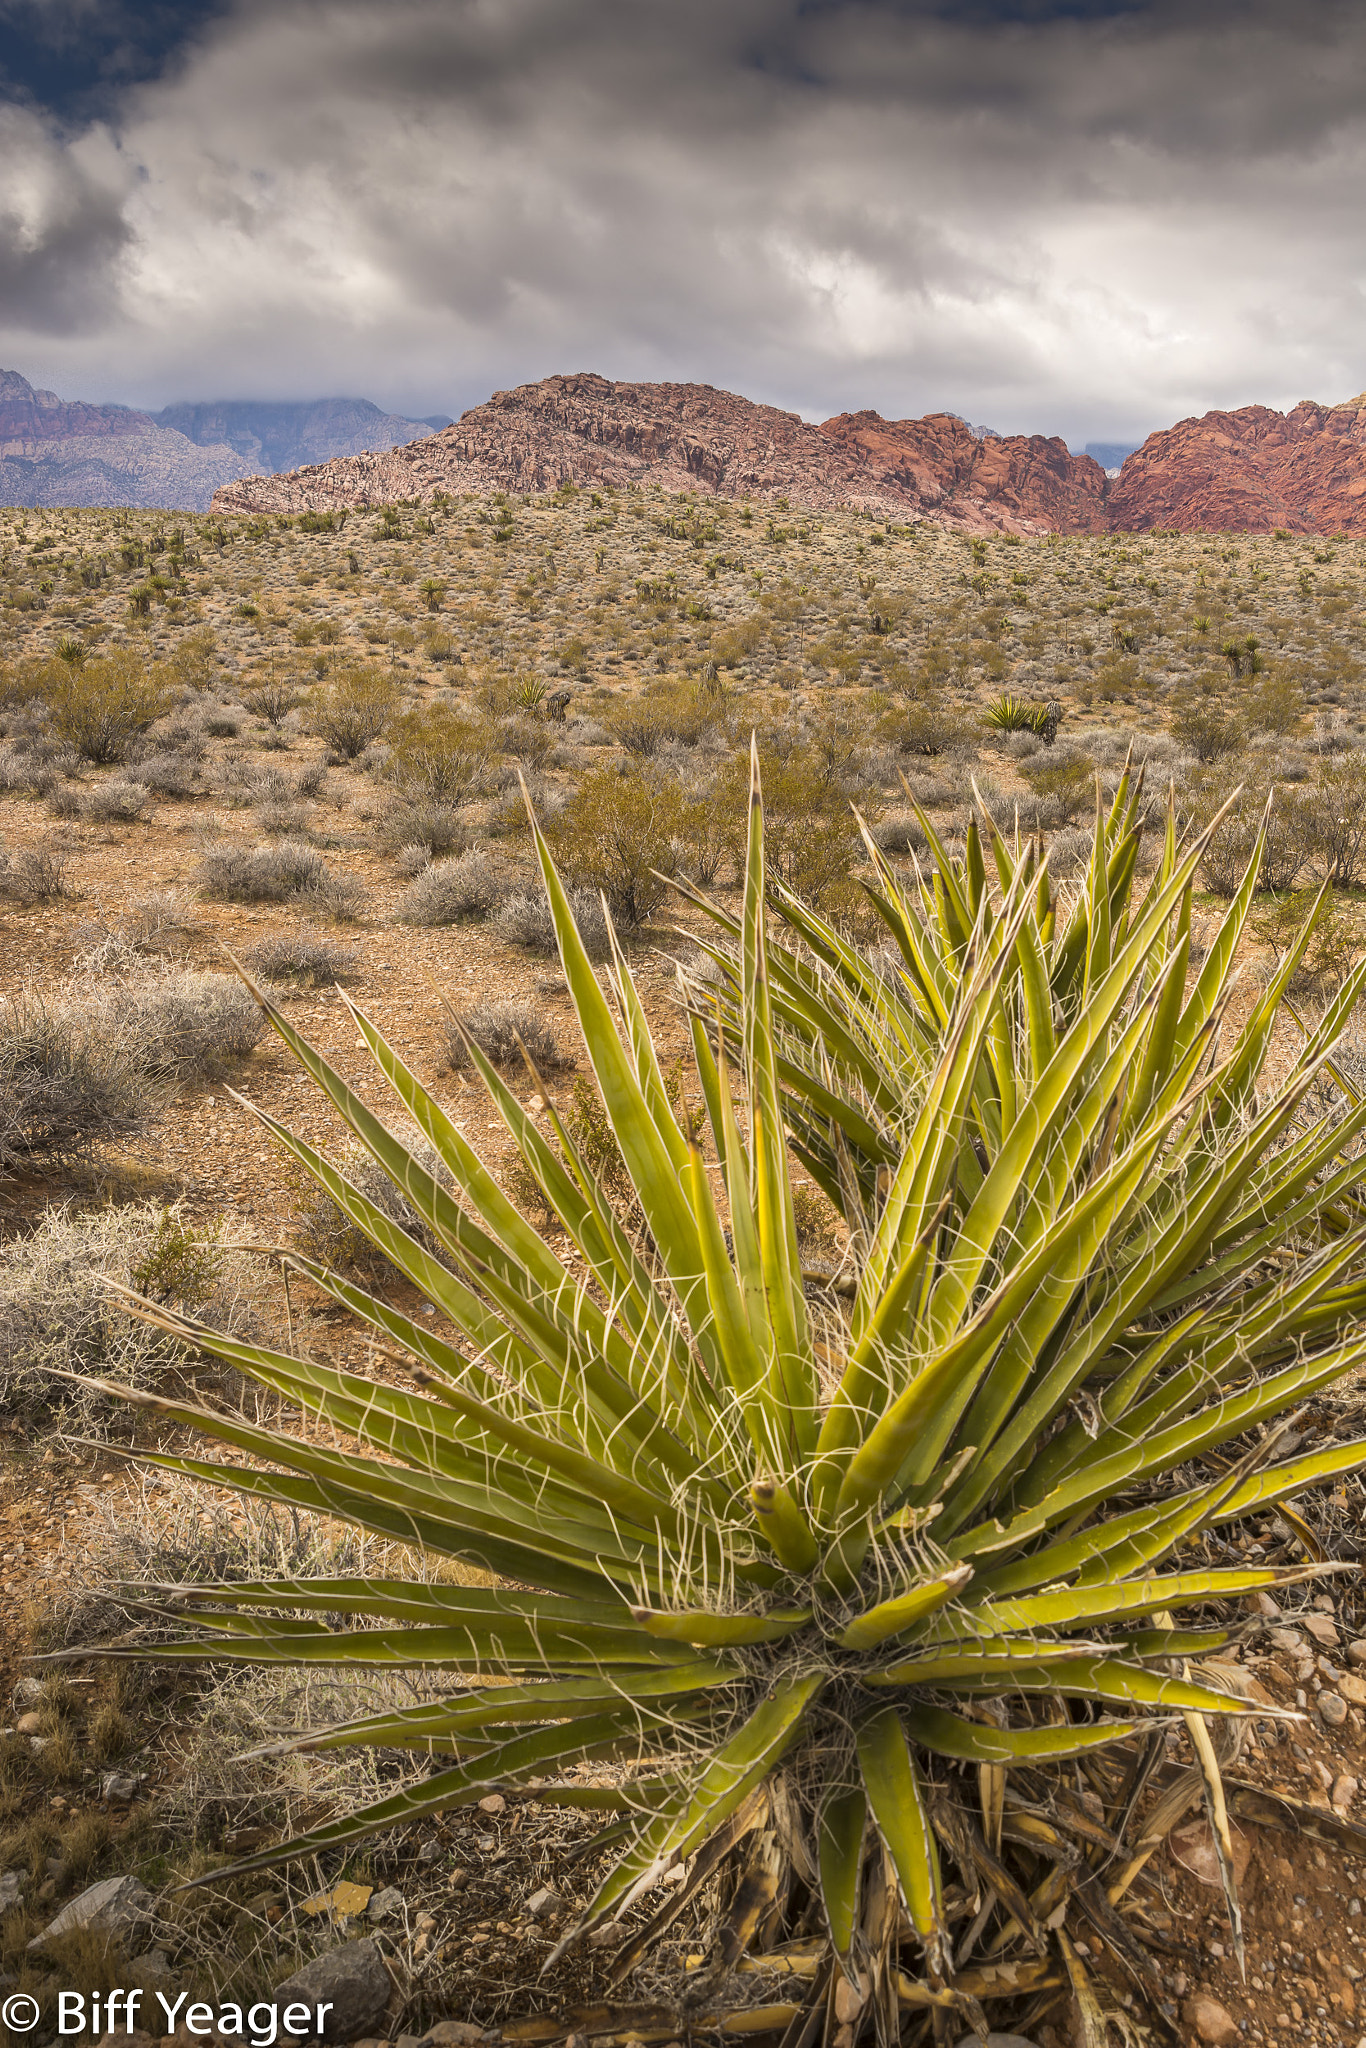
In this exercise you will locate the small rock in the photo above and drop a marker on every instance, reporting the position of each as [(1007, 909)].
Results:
[(430, 1852), (386, 1905), (1344, 1791), (1212, 2022), (1193, 1848), (1322, 1628), (1333, 1708), (487, 1842), (493, 1802), (1356, 1652), (995, 2041), (1353, 1688), (11, 1889), (118, 1791), (848, 2002), (543, 1903), (410, 2041), (154, 1967), (351, 1979), (1284, 1638), (115, 1906), (454, 2034), (1262, 1603), (609, 1936), (30, 1724)]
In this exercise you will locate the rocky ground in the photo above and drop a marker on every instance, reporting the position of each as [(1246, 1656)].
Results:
[(846, 642)]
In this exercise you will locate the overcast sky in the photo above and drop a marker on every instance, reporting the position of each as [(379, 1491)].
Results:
[(1086, 217)]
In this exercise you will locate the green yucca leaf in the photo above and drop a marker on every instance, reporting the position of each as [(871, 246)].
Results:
[(798, 1559)]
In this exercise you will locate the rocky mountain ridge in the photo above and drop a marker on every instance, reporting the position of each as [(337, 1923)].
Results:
[(56, 451), (1251, 469), (586, 430)]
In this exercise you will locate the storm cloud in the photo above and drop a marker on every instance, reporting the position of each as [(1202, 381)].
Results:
[(1079, 219)]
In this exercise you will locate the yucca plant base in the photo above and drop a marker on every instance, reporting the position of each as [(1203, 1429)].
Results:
[(875, 1602)]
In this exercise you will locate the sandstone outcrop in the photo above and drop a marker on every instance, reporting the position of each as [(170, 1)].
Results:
[(1250, 471), (691, 437)]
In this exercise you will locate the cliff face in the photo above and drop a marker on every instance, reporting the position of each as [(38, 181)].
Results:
[(1250, 471), (692, 437)]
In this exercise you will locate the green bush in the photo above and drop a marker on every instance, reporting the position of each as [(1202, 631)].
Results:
[(439, 754), (615, 832), (1334, 809), (101, 707), (353, 710)]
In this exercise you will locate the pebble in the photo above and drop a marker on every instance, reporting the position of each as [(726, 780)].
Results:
[(385, 1905), (430, 1852), (493, 1802), (1212, 2022), (1344, 1791), (11, 1889), (1356, 1652), (1333, 1708), (542, 1904), (30, 1724)]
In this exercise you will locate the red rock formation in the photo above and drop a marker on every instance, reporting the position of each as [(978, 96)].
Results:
[(1250, 471), (691, 437), (29, 415)]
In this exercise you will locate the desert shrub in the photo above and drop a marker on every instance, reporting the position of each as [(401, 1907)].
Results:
[(1064, 783), (35, 874), (1200, 723), (702, 841), (307, 957), (615, 834), (1334, 810), (57, 1314), (1332, 945), (154, 920), (1288, 840), (169, 775), (1068, 852), (679, 712), (272, 699), (100, 709), (809, 833), (421, 821), (193, 662), (67, 1084), (524, 920), (899, 832), (1276, 705), (929, 726), (353, 710), (326, 1233), (116, 802), (500, 1029), (260, 874), (452, 891), (179, 1023), (437, 754)]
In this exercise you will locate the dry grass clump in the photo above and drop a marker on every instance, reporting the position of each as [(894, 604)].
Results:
[(306, 957), (67, 1083), (460, 891), (288, 872), (181, 1023), (524, 920), (501, 1030), (35, 874), (57, 1314), (118, 801), (421, 822)]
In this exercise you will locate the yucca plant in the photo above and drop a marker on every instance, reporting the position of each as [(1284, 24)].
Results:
[(836, 1572), (1008, 713)]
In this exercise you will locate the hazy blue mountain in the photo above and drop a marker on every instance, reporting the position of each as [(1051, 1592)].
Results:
[(271, 435)]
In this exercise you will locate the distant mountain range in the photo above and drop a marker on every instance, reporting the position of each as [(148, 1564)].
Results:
[(1252, 470), (59, 452)]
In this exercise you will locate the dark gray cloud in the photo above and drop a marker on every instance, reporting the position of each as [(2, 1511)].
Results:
[(1086, 218)]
